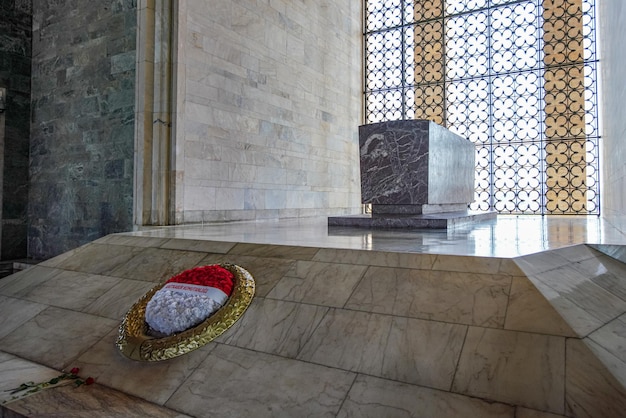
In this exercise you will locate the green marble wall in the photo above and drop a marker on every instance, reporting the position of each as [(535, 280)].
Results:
[(82, 139), (15, 52)]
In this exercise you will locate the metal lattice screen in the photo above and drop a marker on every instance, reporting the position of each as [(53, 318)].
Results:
[(517, 78)]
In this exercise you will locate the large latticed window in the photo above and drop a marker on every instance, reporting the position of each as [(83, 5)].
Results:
[(517, 78)]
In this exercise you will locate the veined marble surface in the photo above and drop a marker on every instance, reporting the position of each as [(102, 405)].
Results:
[(505, 236), (414, 162), (339, 326)]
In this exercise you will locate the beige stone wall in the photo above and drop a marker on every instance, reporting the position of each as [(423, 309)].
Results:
[(268, 105)]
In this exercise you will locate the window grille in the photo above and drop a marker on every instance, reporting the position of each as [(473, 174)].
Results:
[(517, 78)]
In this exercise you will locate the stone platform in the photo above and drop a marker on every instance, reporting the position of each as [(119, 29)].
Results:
[(433, 221), (331, 332)]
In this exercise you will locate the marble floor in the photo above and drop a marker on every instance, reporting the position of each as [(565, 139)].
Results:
[(519, 317), (506, 236)]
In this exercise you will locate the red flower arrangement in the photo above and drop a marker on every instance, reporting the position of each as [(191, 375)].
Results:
[(214, 276)]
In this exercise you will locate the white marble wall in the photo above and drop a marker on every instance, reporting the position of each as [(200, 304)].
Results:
[(612, 14), (269, 102)]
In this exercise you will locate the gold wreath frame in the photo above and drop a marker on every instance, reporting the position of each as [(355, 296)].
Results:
[(134, 342)]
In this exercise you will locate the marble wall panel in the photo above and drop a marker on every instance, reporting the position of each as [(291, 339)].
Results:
[(613, 72), (272, 103), (15, 74), (82, 131)]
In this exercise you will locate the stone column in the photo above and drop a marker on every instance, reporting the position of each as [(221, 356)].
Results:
[(153, 129)]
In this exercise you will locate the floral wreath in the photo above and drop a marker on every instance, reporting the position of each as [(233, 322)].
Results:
[(186, 312), (188, 299)]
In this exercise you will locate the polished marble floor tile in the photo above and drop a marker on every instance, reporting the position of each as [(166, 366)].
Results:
[(56, 336), (274, 251), (506, 236), (612, 337), (157, 265), (576, 317), (513, 367), (462, 298), (467, 264), (71, 290), (326, 284), (372, 397), (521, 412), (116, 302), (153, 381), (528, 310), (198, 245), (94, 401), (432, 326), (605, 354), (98, 258), (536, 264), (617, 252), (580, 289), (275, 327), (123, 239), (23, 282), (234, 382), (15, 312), (606, 272), (592, 391), (405, 349), (377, 258)]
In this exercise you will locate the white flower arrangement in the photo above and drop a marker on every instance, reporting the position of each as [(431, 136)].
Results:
[(188, 299)]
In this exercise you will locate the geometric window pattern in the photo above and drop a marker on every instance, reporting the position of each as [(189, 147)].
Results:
[(517, 78)]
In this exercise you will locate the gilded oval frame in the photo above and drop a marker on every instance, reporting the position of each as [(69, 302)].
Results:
[(134, 342)]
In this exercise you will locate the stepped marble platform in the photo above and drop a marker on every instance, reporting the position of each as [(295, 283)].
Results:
[(442, 220), (463, 323)]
